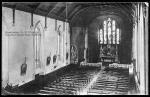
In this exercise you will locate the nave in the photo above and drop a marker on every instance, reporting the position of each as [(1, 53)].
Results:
[(84, 80), (72, 48)]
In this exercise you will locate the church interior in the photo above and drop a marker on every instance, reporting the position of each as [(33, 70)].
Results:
[(75, 48)]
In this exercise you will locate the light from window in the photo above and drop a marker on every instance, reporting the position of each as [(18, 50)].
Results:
[(113, 31), (101, 36), (105, 35), (109, 34), (117, 36)]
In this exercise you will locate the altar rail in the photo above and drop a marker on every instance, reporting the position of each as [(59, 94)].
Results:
[(123, 66), (91, 64)]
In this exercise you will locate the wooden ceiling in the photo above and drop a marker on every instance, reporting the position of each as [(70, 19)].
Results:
[(63, 10)]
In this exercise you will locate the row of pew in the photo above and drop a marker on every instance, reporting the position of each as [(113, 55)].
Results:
[(86, 80), (111, 82), (71, 83)]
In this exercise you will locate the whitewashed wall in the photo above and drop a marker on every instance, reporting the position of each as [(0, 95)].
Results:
[(16, 48)]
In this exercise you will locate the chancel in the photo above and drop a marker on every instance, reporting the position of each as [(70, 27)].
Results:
[(75, 48)]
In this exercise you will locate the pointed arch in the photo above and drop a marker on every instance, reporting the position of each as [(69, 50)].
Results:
[(109, 33)]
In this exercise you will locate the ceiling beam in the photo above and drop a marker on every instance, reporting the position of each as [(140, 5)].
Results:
[(131, 8), (24, 8), (82, 9), (35, 9), (76, 10), (102, 8), (13, 6), (56, 5), (123, 7), (63, 12), (125, 10)]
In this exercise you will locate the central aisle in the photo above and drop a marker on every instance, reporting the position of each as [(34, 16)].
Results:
[(111, 82), (84, 80), (71, 83), (89, 81)]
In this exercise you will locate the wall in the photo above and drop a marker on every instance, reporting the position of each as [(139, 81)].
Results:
[(124, 25), (140, 47), (94, 19), (16, 47), (78, 40), (93, 42)]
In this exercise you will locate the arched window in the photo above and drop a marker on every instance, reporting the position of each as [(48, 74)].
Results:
[(118, 34), (105, 35), (101, 36), (109, 40), (109, 34), (113, 31)]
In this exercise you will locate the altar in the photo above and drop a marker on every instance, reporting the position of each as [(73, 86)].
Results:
[(109, 37), (108, 53)]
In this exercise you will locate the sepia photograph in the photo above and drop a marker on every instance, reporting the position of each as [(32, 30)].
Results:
[(75, 48)]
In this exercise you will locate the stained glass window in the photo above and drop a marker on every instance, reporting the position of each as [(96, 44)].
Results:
[(101, 36), (109, 34), (113, 31), (98, 36), (105, 35), (117, 36)]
